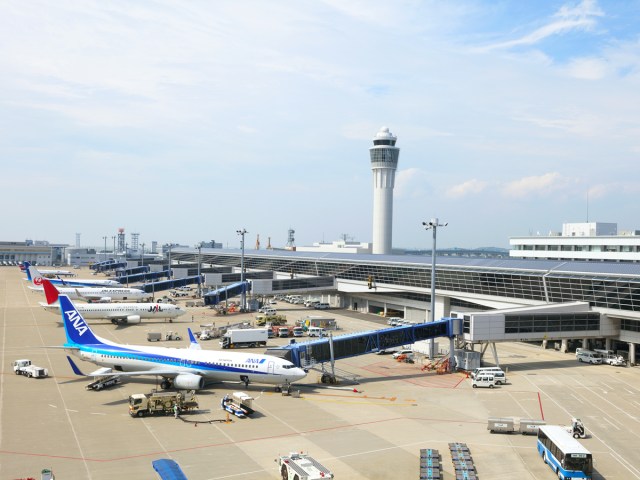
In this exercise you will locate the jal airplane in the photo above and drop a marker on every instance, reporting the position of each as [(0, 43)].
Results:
[(118, 313), (98, 294), (35, 277), (181, 368)]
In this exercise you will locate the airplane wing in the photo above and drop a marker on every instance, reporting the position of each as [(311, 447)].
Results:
[(165, 372)]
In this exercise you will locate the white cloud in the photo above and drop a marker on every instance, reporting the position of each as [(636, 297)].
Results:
[(568, 18), (411, 182), (470, 187), (534, 186), (587, 68)]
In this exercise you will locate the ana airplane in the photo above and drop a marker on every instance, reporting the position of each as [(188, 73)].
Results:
[(97, 294), (180, 368), (118, 313), (35, 277), (60, 273)]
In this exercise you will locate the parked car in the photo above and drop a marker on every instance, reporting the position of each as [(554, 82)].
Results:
[(407, 352), (322, 306)]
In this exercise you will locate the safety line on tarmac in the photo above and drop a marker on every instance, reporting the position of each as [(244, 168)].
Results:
[(257, 439)]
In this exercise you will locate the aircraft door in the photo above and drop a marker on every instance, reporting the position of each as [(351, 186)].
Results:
[(270, 368)]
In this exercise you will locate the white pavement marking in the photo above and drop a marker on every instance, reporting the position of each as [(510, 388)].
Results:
[(611, 423), (577, 398), (635, 419), (624, 462), (64, 404)]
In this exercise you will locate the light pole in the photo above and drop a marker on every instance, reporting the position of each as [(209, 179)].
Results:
[(114, 246), (142, 257), (199, 262), (433, 225), (105, 248), (170, 261), (243, 298)]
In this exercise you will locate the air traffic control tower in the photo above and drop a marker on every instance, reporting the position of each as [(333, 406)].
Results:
[(384, 162)]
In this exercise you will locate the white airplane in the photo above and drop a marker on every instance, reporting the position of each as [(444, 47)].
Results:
[(96, 294), (118, 313), (35, 277), (181, 368), (60, 273)]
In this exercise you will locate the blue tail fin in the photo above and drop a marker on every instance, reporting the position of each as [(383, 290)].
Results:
[(76, 328), (26, 268), (194, 345)]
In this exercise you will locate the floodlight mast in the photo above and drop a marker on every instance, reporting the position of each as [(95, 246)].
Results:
[(433, 225), (243, 297)]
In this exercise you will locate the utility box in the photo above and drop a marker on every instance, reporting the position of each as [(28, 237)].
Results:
[(530, 427), (501, 425)]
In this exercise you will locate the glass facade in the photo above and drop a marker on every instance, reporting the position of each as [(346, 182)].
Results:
[(618, 292), (552, 322)]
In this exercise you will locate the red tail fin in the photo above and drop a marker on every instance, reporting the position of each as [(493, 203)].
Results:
[(50, 291)]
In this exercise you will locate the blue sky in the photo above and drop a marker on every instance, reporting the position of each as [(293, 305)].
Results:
[(185, 121)]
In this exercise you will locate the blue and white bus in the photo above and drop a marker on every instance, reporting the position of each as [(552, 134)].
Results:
[(563, 453)]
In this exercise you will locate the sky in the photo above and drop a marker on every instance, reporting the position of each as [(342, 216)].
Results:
[(186, 121)]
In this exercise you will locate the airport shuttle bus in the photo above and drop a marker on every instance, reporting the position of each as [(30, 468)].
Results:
[(563, 453)]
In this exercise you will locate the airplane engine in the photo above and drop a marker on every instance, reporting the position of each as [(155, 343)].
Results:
[(133, 319), (188, 381), (105, 300)]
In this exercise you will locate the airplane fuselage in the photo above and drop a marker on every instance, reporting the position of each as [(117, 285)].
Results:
[(111, 311), (211, 365)]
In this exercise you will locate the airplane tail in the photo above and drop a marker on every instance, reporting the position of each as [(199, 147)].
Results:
[(193, 345), (27, 268), (34, 276), (76, 328), (50, 291)]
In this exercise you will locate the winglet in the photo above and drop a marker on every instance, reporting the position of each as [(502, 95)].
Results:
[(50, 292), (74, 367), (193, 345)]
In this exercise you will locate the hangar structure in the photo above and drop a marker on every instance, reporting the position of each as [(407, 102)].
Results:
[(596, 303)]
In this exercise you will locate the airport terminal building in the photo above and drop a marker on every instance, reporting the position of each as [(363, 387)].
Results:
[(568, 303)]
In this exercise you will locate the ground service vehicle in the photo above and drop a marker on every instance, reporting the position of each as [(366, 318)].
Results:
[(315, 332), (298, 332), (497, 372), (322, 306), (161, 403), (263, 319), (26, 368), (106, 381), (564, 454), (246, 337), (283, 332), (576, 429), (483, 380), (589, 357), (299, 466), (172, 336), (154, 336)]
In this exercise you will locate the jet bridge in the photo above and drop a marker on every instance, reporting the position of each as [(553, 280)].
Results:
[(226, 292), (362, 343), (143, 277), (169, 284)]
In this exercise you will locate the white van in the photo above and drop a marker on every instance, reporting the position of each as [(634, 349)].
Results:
[(316, 332), (270, 311), (589, 357), (483, 380), (497, 372)]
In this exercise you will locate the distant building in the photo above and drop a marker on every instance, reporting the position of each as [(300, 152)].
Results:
[(594, 241), (38, 251), (340, 246)]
